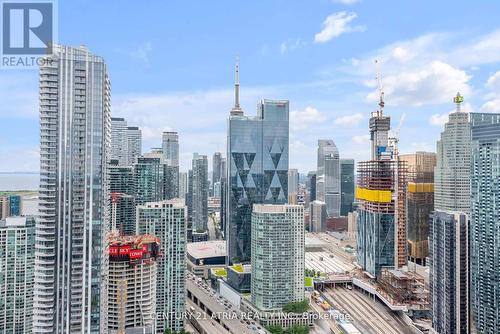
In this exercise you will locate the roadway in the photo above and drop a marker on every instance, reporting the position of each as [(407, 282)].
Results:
[(368, 315)]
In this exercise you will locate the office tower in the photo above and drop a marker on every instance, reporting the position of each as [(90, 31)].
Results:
[(328, 177), (223, 168), (122, 189), (346, 186), (485, 222), (183, 186), (199, 195), (170, 148), (149, 175), (133, 275), (311, 186), (216, 167), (449, 227), (75, 140), (17, 259), (293, 181), (119, 140), (167, 221), (277, 272), (420, 201), (381, 236), (257, 154), (134, 144), (217, 190), (317, 216)]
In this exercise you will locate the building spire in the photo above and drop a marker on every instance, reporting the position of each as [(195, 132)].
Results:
[(459, 99), (237, 111)]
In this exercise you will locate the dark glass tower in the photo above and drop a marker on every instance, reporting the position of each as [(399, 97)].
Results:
[(257, 154)]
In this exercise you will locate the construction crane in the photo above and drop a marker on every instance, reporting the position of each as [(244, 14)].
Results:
[(378, 77)]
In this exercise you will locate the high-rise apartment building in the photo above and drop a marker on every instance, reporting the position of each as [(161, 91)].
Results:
[(277, 272), (167, 221), (170, 148), (134, 144), (122, 189), (10, 205), (133, 275), (347, 185), (199, 194), (328, 177), (183, 184), (75, 142), (119, 145), (449, 227), (17, 259), (216, 167), (149, 176), (485, 222), (257, 153), (311, 186), (420, 201), (381, 236)]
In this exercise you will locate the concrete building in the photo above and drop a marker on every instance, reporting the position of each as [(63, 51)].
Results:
[(132, 283), (293, 182), (257, 153), (17, 258), (134, 144), (420, 201), (10, 205), (317, 216), (170, 148), (381, 235), (277, 272), (75, 142), (119, 145), (328, 177), (167, 221), (449, 227), (203, 256), (216, 171), (485, 222)]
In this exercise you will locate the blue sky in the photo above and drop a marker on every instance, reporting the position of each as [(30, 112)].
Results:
[(171, 67)]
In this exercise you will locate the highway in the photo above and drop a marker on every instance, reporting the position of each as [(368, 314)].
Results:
[(368, 315)]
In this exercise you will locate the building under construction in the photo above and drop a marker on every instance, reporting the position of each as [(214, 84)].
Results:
[(420, 202), (381, 196), (132, 283), (404, 288)]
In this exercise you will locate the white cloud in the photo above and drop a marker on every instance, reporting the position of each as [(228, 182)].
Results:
[(491, 106), (494, 81), (335, 25), (438, 119), (142, 52), (300, 120), (290, 45), (432, 84), (362, 139), (349, 120)]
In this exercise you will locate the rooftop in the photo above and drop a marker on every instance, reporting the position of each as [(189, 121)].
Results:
[(207, 249)]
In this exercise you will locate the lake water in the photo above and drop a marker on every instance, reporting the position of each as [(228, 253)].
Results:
[(18, 182)]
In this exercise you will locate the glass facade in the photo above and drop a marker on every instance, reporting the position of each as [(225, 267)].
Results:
[(328, 177), (346, 186), (485, 221), (75, 143), (257, 156), (199, 196)]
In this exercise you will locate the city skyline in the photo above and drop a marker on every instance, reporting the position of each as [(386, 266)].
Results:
[(330, 93)]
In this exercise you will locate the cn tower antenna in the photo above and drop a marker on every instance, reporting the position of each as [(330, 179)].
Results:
[(381, 102)]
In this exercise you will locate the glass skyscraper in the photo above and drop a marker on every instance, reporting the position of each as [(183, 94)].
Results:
[(199, 196), (75, 143), (346, 186), (328, 176), (485, 221), (257, 168), (257, 154), (170, 148)]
